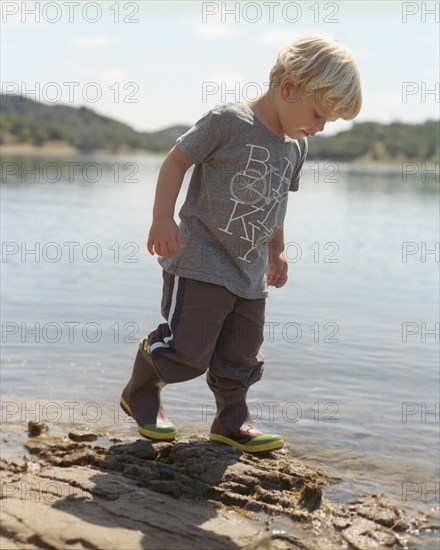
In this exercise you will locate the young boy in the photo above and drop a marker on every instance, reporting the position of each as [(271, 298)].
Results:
[(218, 263)]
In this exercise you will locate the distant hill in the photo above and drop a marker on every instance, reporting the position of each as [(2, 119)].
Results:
[(26, 121), (372, 141)]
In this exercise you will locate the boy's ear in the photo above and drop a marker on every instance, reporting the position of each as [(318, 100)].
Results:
[(286, 86), (288, 90)]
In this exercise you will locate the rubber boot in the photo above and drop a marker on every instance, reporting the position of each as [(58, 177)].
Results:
[(140, 398), (233, 426)]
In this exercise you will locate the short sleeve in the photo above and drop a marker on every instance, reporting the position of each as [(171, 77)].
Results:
[(202, 139), (294, 182)]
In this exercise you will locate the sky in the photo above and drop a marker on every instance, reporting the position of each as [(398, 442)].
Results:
[(156, 64)]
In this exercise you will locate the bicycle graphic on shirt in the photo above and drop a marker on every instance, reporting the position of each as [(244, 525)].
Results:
[(250, 187)]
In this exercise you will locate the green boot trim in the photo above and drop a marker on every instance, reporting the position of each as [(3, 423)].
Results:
[(160, 430), (259, 444), (143, 349)]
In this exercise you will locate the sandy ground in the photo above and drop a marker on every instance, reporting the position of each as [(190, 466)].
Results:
[(62, 149)]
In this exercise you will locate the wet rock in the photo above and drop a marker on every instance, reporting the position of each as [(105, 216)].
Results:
[(374, 521), (32, 466), (141, 449), (364, 534), (116, 440), (139, 472), (82, 436), (80, 507), (167, 487), (36, 429), (378, 509), (341, 523), (204, 474), (311, 496), (11, 467), (35, 447)]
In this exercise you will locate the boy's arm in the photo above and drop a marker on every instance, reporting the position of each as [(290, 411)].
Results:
[(164, 237), (276, 244), (277, 264)]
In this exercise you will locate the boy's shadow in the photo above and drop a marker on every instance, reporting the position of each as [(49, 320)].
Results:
[(156, 493)]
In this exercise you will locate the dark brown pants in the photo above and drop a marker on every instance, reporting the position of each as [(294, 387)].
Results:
[(208, 329)]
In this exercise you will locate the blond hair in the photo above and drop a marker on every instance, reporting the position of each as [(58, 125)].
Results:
[(325, 66)]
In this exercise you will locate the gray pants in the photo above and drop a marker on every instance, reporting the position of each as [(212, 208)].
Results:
[(209, 329)]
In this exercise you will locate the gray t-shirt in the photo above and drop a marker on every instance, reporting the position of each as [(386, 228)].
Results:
[(236, 200)]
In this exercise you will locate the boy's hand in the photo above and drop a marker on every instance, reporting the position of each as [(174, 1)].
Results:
[(164, 237), (277, 271)]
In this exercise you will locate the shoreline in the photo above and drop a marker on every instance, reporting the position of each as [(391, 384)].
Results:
[(57, 149), (359, 473), (106, 490)]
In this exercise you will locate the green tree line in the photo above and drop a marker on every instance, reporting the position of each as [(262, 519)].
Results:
[(375, 141), (27, 121)]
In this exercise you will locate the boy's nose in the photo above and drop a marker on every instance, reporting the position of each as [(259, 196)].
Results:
[(319, 126)]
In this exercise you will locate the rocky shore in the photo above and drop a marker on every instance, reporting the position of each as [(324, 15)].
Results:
[(191, 493)]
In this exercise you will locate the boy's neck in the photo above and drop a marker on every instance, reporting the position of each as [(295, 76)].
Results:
[(264, 108)]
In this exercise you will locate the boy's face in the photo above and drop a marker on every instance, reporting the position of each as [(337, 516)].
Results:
[(300, 115)]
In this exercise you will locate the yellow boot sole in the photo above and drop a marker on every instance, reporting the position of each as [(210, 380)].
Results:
[(257, 445), (161, 430)]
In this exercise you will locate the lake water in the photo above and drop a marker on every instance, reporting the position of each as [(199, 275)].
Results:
[(352, 366)]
